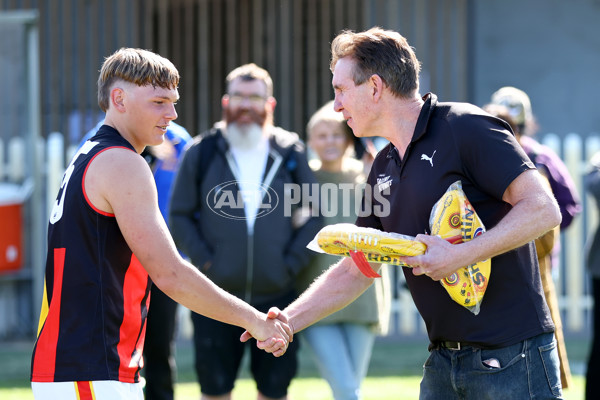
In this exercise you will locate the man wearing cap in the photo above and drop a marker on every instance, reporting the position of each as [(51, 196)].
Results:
[(518, 106)]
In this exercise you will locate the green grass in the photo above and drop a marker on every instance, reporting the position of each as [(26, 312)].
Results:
[(394, 373), (375, 388)]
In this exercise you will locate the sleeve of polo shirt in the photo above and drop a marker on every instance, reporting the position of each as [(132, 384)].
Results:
[(490, 154)]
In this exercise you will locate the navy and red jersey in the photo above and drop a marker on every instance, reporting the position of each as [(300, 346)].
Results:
[(96, 293)]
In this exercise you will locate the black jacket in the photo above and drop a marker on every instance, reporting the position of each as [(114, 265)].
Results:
[(207, 218)]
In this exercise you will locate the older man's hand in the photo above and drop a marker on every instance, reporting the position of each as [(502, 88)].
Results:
[(275, 334), (278, 343)]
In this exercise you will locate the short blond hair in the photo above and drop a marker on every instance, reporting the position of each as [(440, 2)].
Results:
[(137, 66)]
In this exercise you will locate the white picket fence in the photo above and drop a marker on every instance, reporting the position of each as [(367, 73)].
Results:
[(51, 159)]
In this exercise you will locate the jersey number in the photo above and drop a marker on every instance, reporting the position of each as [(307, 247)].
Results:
[(57, 208)]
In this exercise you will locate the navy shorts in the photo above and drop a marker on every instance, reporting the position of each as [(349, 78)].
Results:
[(219, 354)]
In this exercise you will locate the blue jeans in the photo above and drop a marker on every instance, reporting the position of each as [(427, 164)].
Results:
[(342, 353), (527, 370)]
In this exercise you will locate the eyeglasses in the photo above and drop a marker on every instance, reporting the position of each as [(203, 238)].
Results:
[(254, 100)]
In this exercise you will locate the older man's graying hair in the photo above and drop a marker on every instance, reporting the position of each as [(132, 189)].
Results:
[(381, 52), (251, 72)]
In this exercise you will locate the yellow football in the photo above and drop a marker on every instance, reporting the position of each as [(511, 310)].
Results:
[(453, 216), (378, 246)]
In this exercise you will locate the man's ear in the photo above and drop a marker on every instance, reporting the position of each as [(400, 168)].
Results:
[(271, 103), (377, 86), (117, 99)]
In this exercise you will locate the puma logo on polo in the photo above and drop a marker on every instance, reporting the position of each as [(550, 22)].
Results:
[(427, 158)]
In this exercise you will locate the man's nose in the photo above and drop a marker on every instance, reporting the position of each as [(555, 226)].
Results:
[(172, 114), (337, 105)]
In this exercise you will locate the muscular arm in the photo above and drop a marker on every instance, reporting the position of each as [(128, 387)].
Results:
[(534, 212), (337, 287), (118, 181)]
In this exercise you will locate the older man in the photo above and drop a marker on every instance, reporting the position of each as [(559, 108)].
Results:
[(508, 350), (232, 214)]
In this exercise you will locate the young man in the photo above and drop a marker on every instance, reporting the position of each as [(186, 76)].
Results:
[(160, 367), (508, 350), (107, 242)]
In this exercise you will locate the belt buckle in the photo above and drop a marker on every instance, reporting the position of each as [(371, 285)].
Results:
[(452, 345)]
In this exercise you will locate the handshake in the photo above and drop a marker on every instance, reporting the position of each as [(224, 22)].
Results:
[(277, 331)]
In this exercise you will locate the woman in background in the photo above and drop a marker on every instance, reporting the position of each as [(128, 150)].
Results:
[(341, 344)]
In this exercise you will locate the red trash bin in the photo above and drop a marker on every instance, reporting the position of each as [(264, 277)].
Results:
[(11, 231)]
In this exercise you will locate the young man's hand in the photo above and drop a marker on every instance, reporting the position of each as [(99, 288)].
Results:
[(278, 343)]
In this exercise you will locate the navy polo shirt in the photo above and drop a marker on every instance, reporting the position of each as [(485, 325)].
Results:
[(451, 142)]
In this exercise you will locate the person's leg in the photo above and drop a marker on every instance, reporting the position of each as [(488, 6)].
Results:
[(437, 383), (360, 339), (273, 375), (208, 397), (328, 345), (552, 301), (159, 361), (218, 356), (526, 370), (592, 376)]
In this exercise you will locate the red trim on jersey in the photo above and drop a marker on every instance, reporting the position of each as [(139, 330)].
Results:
[(45, 353), (84, 390), (131, 341), (83, 180)]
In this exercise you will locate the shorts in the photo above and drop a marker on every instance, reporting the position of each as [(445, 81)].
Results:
[(219, 354), (94, 390)]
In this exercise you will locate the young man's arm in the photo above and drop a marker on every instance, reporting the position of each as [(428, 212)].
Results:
[(118, 181)]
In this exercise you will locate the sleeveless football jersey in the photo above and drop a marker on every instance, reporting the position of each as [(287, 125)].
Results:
[(96, 293)]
